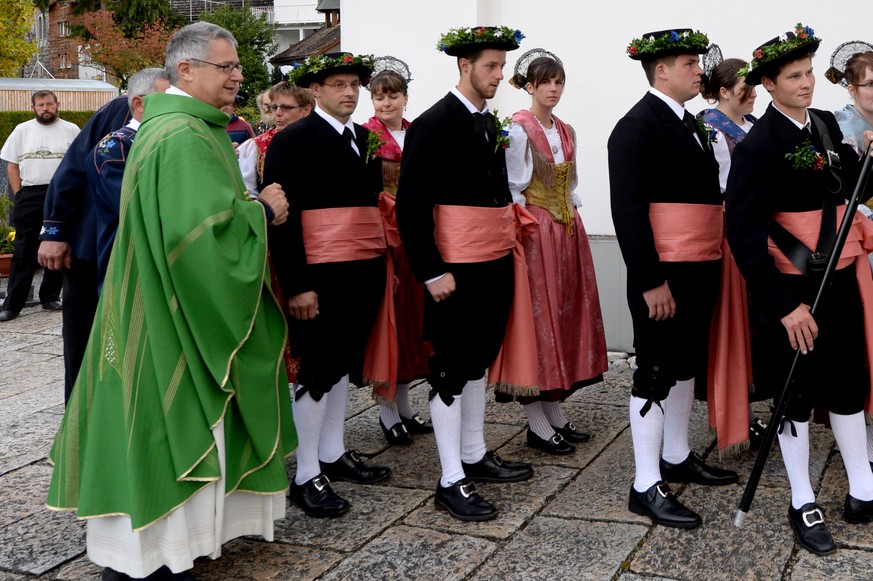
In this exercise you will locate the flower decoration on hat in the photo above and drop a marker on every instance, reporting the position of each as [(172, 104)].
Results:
[(457, 41), (320, 66), (841, 57), (802, 37), (666, 42)]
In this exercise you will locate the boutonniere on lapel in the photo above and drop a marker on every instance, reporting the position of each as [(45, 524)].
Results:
[(805, 156), (707, 132), (502, 126), (374, 144)]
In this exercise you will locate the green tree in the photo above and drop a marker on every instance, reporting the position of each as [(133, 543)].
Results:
[(257, 40), (131, 15), (15, 51)]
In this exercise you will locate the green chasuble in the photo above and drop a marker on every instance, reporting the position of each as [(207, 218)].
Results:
[(187, 333)]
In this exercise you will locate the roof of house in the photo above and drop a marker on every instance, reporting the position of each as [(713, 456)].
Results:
[(319, 42)]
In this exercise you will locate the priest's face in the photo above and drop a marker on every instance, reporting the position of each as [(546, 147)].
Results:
[(338, 95), (208, 82), (681, 80), (487, 72), (792, 89)]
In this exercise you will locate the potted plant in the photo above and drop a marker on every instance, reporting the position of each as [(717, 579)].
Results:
[(7, 235)]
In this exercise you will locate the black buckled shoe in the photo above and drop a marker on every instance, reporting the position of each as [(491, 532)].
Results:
[(416, 425), (350, 468), (52, 306), (555, 445), (857, 511), (807, 522), (661, 505), (493, 468), (571, 434), (397, 435), (7, 316), (316, 498), (694, 469), (463, 502), (756, 434)]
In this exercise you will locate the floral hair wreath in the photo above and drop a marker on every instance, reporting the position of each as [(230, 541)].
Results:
[(671, 41), (460, 38), (316, 64), (519, 78), (840, 58), (784, 44)]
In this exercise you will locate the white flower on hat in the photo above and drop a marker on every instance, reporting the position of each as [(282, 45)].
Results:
[(783, 37), (685, 34), (652, 38)]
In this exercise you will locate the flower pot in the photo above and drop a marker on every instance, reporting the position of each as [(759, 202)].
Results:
[(5, 265)]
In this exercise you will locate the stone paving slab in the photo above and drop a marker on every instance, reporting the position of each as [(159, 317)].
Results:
[(81, 569), (634, 577), (831, 497), (15, 341), (34, 400), (50, 372), (14, 361), (405, 552), (54, 346), (373, 509), (34, 320), (248, 560), (844, 565), (24, 493), (717, 550), (516, 504), (580, 550), (27, 440), (41, 541)]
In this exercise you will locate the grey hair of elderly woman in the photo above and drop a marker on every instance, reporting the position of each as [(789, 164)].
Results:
[(193, 42), (143, 83)]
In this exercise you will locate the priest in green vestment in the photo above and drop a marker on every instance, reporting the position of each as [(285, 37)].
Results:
[(175, 437)]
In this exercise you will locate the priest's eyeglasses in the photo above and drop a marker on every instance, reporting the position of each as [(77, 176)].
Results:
[(285, 108), (225, 68), (342, 86)]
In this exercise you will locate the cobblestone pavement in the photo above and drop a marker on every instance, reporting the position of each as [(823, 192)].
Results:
[(569, 522)]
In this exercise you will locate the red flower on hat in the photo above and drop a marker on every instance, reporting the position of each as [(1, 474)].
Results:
[(632, 50), (480, 31), (348, 58)]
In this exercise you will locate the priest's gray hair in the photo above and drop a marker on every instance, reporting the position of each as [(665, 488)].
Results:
[(143, 83), (193, 42)]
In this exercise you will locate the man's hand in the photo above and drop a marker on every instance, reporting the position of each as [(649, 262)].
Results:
[(304, 306), (660, 302), (442, 288), (54, 255), (801, 328), (274, 196)]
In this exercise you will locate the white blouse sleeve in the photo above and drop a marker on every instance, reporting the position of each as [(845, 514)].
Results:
[(723, 157), (575, 197), (248, 162), (519, 166)]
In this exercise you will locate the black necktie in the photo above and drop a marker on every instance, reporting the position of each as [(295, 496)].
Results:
[(690, 122), (484, 125), (349, 137)]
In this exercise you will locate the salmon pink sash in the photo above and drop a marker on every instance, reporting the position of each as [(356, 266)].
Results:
[(359, 233), (805, 227), (730, 358), (687, 232), (470, 234)]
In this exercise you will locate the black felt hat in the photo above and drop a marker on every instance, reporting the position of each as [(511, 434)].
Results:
[(791, 46), (317, 68), (654, 45), (461, 42)]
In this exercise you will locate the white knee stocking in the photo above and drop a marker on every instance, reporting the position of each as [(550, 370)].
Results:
[(447, 431), (308, 419), (473, 421), (677, 415), (646, 432), (795, 455), (851, 436), (332, 442)]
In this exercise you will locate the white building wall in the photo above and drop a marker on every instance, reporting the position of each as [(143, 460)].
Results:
[(602, 82)]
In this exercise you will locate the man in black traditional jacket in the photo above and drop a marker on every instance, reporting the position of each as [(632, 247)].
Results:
[(786, 194), (665, 195), (452, 159), (332, 281)]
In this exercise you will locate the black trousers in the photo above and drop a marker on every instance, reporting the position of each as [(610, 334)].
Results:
[(675, 349), (467, 329), (27, 218), (333, 344), (80, 306)]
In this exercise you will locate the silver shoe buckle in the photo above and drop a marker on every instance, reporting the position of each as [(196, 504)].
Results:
[(467, 490), (807, 520), (557, 438), (661, 490), (321, 482), (353, 454)]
